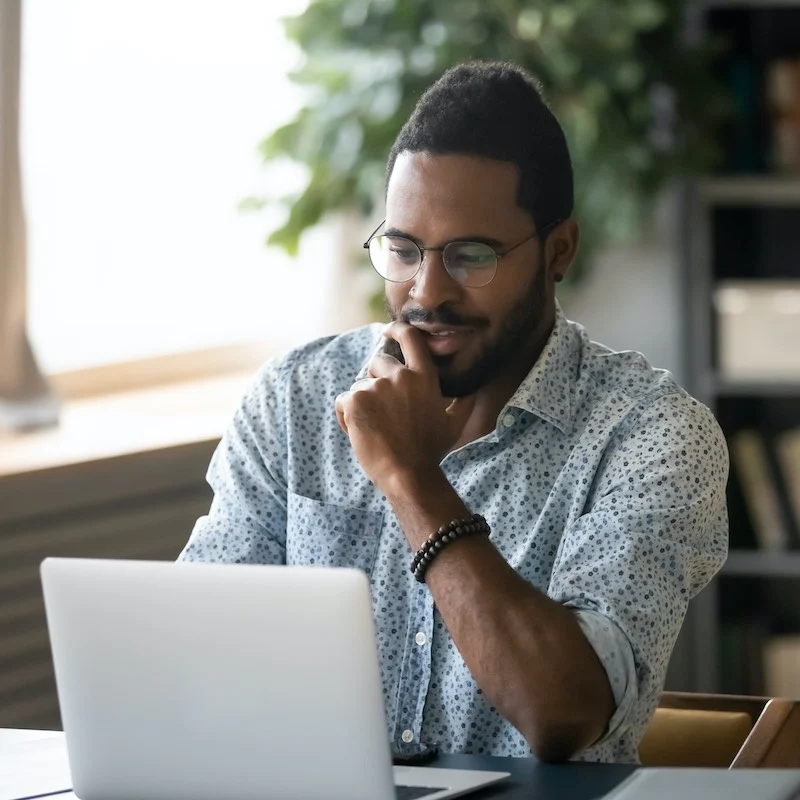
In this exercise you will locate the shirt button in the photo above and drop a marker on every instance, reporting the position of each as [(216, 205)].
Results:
[(462, 455), (407, 736), (420, 638), (508, 420)]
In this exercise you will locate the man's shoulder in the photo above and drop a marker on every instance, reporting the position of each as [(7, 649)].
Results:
[(624, 373), (642, 392)]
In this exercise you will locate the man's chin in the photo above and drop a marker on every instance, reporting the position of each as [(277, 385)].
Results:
[(461, 384)]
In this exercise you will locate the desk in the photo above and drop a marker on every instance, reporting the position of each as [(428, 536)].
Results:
[(529, 779), (10, 736)]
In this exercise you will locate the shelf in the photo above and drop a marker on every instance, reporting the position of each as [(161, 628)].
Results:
[(725, 387), (716, 4), (760, 564), (763, 190)]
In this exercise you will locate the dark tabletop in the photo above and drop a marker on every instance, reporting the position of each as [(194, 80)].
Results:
[(533, 780)]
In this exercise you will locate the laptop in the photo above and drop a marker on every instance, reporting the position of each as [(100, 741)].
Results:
[(199, 681), (698, 783)]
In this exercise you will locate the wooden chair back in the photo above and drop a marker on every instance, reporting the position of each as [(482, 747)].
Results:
[(712, 730)]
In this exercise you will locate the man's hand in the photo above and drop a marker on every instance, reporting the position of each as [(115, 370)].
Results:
[(400, 426)]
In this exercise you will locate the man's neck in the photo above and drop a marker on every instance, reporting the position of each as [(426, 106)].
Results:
[(492, 398)]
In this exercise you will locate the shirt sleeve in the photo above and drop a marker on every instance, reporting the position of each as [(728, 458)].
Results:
[(654, 533), (247, 519), (616, 655)]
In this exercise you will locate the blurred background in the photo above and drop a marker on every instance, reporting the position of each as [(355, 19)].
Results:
[(184, 191)]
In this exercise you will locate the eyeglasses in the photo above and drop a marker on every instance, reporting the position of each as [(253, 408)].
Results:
[(472, 264)]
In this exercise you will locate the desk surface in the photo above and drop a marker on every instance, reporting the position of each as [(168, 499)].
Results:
[(529, 779)]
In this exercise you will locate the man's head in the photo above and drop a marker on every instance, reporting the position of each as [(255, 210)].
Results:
[(482, 158)]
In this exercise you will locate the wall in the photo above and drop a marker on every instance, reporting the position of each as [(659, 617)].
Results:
[(631, 299)]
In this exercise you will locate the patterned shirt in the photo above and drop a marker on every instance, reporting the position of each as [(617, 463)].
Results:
[(603, 482)]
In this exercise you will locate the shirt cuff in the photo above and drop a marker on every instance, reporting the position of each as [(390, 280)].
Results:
[(616, 655)]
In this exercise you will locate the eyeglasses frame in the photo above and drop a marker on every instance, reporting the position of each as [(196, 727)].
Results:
[(422, 250)]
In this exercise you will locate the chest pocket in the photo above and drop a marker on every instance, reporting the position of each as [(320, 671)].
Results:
[(332, 536)]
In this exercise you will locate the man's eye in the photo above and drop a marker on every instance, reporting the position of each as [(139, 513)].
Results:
[(404, 253), (471, 257)]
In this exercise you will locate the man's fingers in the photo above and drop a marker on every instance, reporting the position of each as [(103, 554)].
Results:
[(384, 366), (345, 401), (412, 342), (341, 401)]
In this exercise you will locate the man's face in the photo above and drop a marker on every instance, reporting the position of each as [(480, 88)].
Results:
[(436, 199)]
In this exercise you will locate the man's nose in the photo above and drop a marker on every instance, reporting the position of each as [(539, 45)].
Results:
[(433, 284)]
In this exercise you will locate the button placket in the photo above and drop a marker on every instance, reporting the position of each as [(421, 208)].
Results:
[(416, 674)]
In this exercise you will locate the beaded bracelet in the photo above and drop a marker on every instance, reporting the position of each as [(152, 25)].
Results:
[(438, 540)]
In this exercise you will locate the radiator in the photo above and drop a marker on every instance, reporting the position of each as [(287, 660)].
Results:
[(154, 527)]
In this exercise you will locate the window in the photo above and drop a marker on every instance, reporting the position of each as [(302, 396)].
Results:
[(140, 126)]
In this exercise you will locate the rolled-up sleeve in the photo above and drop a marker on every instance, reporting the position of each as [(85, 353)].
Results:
[(247, 519), (654, 534), (616, 655)]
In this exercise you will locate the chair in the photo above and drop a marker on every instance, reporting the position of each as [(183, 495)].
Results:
[(715, 730)]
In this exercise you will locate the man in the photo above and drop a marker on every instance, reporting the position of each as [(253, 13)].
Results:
[(602, 482)]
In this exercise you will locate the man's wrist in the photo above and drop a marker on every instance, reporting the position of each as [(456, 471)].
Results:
[(423, 502), (405, 485)]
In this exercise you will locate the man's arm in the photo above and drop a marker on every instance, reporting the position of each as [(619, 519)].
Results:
[(656, 533), (247, 519), (652, 540), (526, 652)]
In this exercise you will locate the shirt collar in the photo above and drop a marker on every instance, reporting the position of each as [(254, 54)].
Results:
[(547, 389)]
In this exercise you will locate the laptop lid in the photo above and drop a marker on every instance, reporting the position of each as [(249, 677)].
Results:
[(185, 680)]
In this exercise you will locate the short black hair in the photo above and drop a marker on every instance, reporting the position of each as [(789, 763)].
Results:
[(496, 110)]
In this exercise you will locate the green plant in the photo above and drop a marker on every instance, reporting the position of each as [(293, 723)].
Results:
[(638, 107)]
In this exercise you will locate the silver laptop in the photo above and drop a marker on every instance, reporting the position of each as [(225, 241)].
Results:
[(198, 681), (667, 783)]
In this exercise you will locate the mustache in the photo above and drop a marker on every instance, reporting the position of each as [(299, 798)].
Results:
[(443, 315)]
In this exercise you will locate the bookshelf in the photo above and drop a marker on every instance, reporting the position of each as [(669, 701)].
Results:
[(752, 4), (740, 239), (751, 191), (763, 565), (711, 4), (725, 387)]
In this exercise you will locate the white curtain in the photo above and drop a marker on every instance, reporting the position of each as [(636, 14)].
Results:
[(25, 398)]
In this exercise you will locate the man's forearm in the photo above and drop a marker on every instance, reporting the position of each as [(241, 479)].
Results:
[(526, 652)]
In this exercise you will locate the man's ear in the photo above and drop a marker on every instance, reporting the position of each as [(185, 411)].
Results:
[(561, 247)]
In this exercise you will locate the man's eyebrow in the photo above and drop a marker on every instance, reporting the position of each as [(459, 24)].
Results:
[(496, 243), (402, 234)]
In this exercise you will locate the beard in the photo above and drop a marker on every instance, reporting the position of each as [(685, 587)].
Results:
[(522, 322)]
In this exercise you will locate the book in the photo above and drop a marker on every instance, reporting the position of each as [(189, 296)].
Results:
[(787, 450), (751, 460)]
